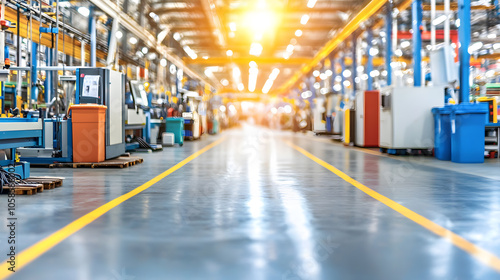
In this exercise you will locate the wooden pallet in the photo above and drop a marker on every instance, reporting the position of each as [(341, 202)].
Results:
[(47, 182), (120, 162), (25, 189)]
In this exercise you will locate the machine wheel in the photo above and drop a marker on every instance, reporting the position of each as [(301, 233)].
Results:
[(181, 144)]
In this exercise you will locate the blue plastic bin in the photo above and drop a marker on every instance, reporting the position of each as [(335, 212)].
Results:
[(467, 133), (442, 132), (176, 126)]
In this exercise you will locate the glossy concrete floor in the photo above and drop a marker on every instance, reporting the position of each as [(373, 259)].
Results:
[(252, 207)]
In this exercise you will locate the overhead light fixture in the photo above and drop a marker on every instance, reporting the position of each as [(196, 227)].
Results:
[(163, 62), (347, 83), (154, 16), (316, 73), (252, 77), (323, 76), (298, 33), (475, 47), (496, 46), (205, 57), (236, 73), (84, 11), (190, 52), (252, 64), (491, 36), (231, 34), (255, 49), (364, 77), (304, 19), (405, 44), (439, 20), (398, 52), (347, 73), (132, 40), (145, 50), (337, 87), (311, 3), (177, 36), (224, 82), (374, 73), (274, 74), (241, 87), (373, 51), (119, 34), (289, 48), (232, 26), (329, 72), (317, 85), (229, 53), (267, 86)]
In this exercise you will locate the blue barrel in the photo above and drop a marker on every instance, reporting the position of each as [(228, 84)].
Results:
[(442, 132), (467, 132), (176, 126)]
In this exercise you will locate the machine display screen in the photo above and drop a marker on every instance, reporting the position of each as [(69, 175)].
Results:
[(140, 95)]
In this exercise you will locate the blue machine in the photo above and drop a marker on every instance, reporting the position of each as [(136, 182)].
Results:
[(16, 133)]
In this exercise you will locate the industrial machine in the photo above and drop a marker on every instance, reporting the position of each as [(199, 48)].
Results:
[(105, 87), (367, 111), (137, 103), (406, 120), (16, 133), (93, 85), (319, 114)]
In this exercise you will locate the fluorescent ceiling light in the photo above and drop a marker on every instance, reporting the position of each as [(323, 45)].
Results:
[(144, 50), (241, 87), (316, 73), (304, 19), (177, 36), (252, 78), (274, 74), (439, 20), (84, 11), (475, 47), (267, 86), (190, 52), (298, 33), (119, 34), (232, 26), (163, 62), (132, 40), (311, 3), (229, 53), (405, 44), (255, 49)]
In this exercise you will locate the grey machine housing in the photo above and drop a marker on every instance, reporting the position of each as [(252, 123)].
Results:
[(112, 94)]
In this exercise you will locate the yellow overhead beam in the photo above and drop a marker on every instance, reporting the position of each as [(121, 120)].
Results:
[(369, 10), (247, 60)]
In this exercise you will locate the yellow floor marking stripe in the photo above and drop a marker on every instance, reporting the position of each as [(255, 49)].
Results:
[(482, 255), (36, 250)]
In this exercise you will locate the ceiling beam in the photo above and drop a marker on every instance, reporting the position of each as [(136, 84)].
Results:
[(365, 13), (247, 60)]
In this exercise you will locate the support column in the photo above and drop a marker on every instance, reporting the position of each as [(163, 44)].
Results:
[(388, 42), (112, 42), (416, 11), (464, 34), (369, 62), (93, 39), (354, 64), (342, 69)]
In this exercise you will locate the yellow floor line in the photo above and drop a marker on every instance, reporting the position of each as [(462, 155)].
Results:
[(482, 255), (36, 250)]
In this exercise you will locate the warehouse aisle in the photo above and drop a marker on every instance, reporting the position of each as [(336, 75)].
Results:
[(255, 207)]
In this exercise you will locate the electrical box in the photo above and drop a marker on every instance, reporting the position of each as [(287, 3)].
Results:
[(367, 118), (408, 122)]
